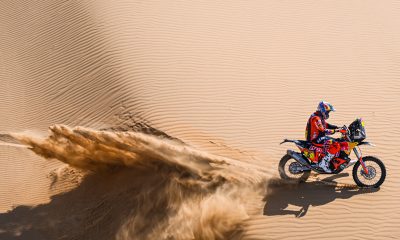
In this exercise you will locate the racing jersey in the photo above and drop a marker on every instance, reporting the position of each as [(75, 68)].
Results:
[(317, 127)]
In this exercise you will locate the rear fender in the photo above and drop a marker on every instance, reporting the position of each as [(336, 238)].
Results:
[(366, 143), (288, 140)]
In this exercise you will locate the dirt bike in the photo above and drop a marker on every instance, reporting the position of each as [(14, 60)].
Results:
[(367, 171)]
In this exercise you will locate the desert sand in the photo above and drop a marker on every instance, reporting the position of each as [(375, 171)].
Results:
[(162, 119)]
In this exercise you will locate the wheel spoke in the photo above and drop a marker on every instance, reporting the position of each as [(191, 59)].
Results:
[(374, 173), (291, 167)]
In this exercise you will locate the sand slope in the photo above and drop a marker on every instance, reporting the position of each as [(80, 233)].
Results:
[(228, 79)]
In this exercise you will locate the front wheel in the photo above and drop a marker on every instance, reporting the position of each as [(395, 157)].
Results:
[(290, 169), (376, 172)]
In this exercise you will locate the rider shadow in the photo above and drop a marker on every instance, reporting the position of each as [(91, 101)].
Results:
[(281, 194)]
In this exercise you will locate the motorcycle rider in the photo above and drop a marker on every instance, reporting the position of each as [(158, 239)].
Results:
[(317, 130)]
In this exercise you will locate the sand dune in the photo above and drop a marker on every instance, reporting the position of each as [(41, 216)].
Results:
[(203, 88)]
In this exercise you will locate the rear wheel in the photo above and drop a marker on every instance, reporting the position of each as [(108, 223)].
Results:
[(376, 172), (290, 169)]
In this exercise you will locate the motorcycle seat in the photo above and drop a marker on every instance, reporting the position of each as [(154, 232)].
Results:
[(318, 145), (305, 144), (308, 144)]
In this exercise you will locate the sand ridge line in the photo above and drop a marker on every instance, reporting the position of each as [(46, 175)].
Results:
[(13, 145)]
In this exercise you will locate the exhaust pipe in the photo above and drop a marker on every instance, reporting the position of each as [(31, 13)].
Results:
[(298, 157)]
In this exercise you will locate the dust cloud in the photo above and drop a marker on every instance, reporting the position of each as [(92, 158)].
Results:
[(138, 186)]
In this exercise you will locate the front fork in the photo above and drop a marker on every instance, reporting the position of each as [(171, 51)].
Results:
[(359, 156)]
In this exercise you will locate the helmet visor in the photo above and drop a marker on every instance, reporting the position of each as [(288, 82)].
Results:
[(326, 114)]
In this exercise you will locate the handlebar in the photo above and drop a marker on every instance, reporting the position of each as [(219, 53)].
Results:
[(345, 132), (342, 131)]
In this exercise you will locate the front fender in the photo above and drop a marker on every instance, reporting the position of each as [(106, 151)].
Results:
[(366, 143)]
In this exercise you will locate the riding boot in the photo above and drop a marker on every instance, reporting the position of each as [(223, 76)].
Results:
[(324, 164)]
